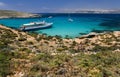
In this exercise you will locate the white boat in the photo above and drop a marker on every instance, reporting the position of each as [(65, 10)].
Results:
[(50, 17), (71, 20), (35, 26)]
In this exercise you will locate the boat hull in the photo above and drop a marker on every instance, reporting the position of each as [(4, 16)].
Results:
[(36, 27)]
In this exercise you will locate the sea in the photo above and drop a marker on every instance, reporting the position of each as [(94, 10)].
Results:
[(82, 23)]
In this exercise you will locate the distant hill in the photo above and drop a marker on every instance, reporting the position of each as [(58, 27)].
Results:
[(15, 14), (99, 11), (93, 11)]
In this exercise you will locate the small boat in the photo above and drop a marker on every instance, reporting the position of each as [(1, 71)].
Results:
[(71, 20), (50, 17), (35, 26)]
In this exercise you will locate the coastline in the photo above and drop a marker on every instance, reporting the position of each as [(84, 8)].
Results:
[(33, 54), (90, 35), (31, 16), (14, 14), (84, 39), (70, 32), (60, 38)]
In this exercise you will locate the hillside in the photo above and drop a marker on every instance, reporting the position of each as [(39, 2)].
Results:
[(15, 14), (36, 55)]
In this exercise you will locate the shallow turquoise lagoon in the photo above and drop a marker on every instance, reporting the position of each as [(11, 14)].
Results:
[(82, 23)]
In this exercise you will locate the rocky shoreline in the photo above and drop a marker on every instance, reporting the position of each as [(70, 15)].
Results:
[(38, 55), (86, 42)]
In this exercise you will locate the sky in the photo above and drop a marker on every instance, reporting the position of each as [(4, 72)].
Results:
[(44, 6)]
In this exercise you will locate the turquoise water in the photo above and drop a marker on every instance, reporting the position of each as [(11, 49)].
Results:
[(82, 24)]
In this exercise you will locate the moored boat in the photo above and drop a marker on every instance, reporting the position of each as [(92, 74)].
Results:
[(35, 26), (71, 20), (50, 17)]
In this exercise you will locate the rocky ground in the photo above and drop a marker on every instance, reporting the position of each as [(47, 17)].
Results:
[(37, 55)]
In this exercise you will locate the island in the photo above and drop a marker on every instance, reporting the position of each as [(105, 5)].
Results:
[(15, 14)]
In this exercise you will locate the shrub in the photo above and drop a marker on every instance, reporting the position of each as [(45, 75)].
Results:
[(4, 64), (21, 39)]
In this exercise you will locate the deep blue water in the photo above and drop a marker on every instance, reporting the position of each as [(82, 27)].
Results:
[(82, 24)]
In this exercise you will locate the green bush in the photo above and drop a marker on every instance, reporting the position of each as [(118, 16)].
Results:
[(4, 64)]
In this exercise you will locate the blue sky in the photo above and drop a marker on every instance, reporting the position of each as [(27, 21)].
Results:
[(57, 5)]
